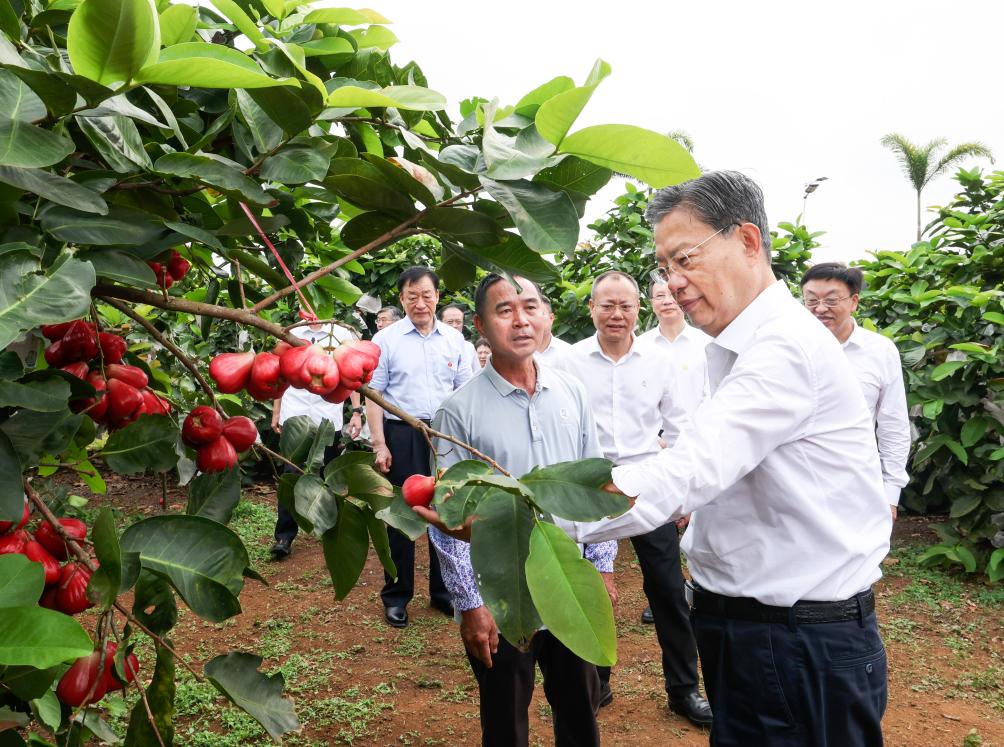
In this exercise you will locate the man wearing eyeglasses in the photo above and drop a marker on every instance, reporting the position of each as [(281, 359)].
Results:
[(781, 462), (830, 290), (633, 394)]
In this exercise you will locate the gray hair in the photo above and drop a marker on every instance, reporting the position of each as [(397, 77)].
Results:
[(721, 199), (394, 311), (610, 274)]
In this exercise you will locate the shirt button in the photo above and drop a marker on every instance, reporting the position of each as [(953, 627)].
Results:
[(869, 668)]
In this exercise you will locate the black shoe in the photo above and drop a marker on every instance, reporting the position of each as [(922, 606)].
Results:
[(396, 617), (606, 695), (693, 707), (282, 549), (445, 607), (647, 617)]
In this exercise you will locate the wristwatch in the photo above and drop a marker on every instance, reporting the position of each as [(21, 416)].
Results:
[(357, 410)]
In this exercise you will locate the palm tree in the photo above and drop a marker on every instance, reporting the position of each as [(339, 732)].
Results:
[(919, 161)]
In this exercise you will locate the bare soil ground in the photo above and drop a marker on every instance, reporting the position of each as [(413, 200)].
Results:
[(357, 681)]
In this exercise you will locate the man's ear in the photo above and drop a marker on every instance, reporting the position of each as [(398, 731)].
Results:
[(749, 234), (854, 302), (479, 326)]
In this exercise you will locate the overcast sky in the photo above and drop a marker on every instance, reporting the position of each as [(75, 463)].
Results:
[(783, 91)]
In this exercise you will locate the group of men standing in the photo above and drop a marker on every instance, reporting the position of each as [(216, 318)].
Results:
[(757, 426)]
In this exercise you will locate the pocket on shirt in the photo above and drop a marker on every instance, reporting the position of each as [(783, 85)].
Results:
[(448, 368)]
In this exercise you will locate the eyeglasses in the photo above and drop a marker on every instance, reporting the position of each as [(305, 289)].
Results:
[(829, 302), (609, 308), (684, 261)]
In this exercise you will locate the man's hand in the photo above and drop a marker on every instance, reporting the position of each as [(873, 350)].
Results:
[(895, 512), (383, 459), (480, 634), (275, 425), (608, 581), (355, 425), (432, 517), (611, 488), (682, 522)]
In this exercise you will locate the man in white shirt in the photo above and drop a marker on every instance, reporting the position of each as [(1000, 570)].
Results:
[(387, 316), (551, 347), (781, 461), (301, 402), (453, 315), (633, 393), (830, 290)]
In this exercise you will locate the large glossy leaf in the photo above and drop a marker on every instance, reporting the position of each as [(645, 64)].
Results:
[(54, 188), (58, 95), (11, 489), (203, 65), (512, 257), (118, 141), (265, 133), (399, 515), (153, 602), (499, 549), (35, 433), (345, 548), (546, 220), (656, 159), (241, 20), (298, 433), (204, 560), (570, 596), (510, 157), (120, 226), (48, 395), (215, 495), (215, 171), (530, 103), (327, 45), (572, 490), (160, 698), (557, 114), (120, 266), (236, 675), (148, 443), (463, 225), (28, 146), (107, 579), (29, 297), (110, 40), (315, 504), (378, 37), (345, 16), (17, 100), (286, 106), (575, 175), (295, 166), (381, 543), (414, 98), (21, 581), (40, 638), (370, 194), (177, 24), (366, 228)]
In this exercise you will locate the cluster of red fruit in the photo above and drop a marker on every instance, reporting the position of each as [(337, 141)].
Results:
[(80, 685), (418, 490), (79, 349), (331, 375), (170, 272), (65, 582), (217, 441)]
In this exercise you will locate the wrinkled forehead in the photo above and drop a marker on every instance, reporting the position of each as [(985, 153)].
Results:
[(504, 292), (679, 230)]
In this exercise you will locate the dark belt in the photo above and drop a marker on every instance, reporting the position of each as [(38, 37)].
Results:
[(389, 421), (742, 608)]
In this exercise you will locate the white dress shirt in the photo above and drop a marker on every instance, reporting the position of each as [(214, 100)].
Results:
[(554, 350), (632, 398), (879, 370), (688, 360), (416, 372), (471, 357), (781, 461), (300, 401)]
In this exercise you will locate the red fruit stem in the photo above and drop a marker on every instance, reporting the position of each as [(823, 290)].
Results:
[(278, 258)]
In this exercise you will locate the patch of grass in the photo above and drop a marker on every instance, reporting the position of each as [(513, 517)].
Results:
[(276, 640), (351, 653), (986, 686), (459, 694), (899, 629), (411, 643), (931, 585), (350, 714), (214, 722), (254, 524)]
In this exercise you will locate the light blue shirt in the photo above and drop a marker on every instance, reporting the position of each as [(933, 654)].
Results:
[(519, 432), (417, 372)]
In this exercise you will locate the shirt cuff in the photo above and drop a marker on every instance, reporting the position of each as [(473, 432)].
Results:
[(629, 479), (892, 494), (601, 555), (464, 600)]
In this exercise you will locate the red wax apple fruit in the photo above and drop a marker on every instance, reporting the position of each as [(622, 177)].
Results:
[(112, 347), (178, 266), (217, 456), (418, 490), (7, 526), (266, 382), (51, 540), (34, 550), (123, 400), (71, 593), (130, 666), (132, 375), (202, 426), (231, 371), (80, 684), (240, 432)]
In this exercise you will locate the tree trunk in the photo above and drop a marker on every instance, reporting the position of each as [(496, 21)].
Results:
[(918, 215)]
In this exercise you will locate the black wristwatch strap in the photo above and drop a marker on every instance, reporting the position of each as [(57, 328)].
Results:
[(358, 410)]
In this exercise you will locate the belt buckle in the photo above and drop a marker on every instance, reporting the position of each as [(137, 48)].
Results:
[(688, 593)]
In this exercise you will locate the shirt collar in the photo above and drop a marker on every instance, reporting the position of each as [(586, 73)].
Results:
[(855, 336), (408, 326), (505, 388), (740, 333), (593, 347)]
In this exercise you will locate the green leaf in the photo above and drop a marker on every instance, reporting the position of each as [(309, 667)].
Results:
[(148, 443), (160, 697), (49, 395), (295, 166), (995, 566), (215, 171), (344, 17), (973, 430), (570, 596), (40, 638), (530, 103), (29, 683), (242, 21), (297, 435), (23, 144), (327, 45), (286, 106), (198, 234), (964, 504), (374, 37), (118, 141), (412, 98), (499, 549), (400, 516), (265, 133), (177, 24), (204, 561), (153, 602), (956, 448), (966, 558), (29, 297), (381, 543), (121, 226), (21, 580), (572, 491), (214, 495), (946, 369), (203, 65), (558, 113), (54, 188), (315, 504), (35, 433), (9, 22), (463, 225), (105, 583), (120, 266), (17, 100), (546, 220), (236, 675), (656, 159), (345, 548), (575, 175), (512, 257), (110, 40), (370, 194), (994, 317)]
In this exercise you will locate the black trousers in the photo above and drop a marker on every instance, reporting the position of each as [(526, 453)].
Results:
[(409, 453), (285, 524), (659, 556), (791, 685), (570, 686)]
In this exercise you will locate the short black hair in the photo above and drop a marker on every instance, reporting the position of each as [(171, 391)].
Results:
[(414, 274), (482, 342), (852, 277), (481, 294), (394, 311), (456, 306)]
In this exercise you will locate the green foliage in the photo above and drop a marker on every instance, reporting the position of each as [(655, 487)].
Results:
[(941, 303)]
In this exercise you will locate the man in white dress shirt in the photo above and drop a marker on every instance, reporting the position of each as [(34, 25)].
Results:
[(633, 393), (830, 290), (551, 347), (782, 463), (453, 315)]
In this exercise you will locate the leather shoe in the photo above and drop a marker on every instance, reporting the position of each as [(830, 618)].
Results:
[(606, 696), (282, 549), (396, 617), (693, 707), (647, 617), (445, 607)]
